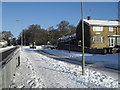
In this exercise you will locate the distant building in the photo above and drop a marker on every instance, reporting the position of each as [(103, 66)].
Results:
[(0, 35), (99, 33), (3, 43), (68, 37)]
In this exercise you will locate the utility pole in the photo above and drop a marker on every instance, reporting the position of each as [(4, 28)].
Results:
[(24, 38), (83, 51)]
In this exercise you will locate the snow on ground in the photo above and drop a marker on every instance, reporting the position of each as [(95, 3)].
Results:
[(38, 70), (108, 60), (26, 76)]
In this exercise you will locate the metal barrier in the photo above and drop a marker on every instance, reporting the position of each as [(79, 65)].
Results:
[(10, 60)]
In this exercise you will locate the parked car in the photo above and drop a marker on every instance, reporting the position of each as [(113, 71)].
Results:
[(32, 45), (53, 47)]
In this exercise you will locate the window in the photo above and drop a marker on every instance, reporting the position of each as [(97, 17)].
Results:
[(112, 41), (111, 29), (98, 39), (118, 40), (97, 28)]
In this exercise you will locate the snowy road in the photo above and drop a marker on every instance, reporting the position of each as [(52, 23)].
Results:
[(38, 70)]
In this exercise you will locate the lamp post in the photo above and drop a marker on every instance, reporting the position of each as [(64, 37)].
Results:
[(83, 57), (69, 43), (21, 34)]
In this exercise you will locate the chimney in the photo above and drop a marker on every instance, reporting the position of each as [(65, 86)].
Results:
[(88, 18)]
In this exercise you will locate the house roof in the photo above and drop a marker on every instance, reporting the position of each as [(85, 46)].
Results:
[(102, 22)]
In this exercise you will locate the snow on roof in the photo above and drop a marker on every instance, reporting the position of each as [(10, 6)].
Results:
[(68, 36), (102, 22)]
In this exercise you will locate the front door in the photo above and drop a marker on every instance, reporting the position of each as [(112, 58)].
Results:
[(112, 42)]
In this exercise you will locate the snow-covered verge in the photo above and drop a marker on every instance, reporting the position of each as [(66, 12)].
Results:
[(2, 49), (108, 60), (91, 78), (38, 71)]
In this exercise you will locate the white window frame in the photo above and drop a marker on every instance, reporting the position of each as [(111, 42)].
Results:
[(112, 41), (98, 39), (111, 29), (98, 28), (118, 40)]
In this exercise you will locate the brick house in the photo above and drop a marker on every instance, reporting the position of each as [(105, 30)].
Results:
[(99, 33)]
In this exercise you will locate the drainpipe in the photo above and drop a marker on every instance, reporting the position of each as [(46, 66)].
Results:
[(116, 34)]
